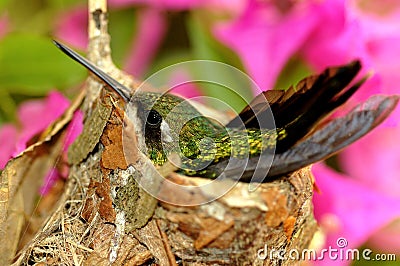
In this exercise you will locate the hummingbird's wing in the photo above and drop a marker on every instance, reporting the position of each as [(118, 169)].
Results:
[(323, 143), (299, 109)]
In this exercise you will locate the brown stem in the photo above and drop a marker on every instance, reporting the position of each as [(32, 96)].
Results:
[(99, 51)]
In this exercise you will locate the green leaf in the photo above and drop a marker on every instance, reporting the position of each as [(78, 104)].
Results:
[(122, 26), (32, 65), (166, 60), (64, 4), (34, 16), (7, 106), (3, 4)]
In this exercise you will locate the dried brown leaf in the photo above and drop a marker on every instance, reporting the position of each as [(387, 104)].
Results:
[(21, 178)]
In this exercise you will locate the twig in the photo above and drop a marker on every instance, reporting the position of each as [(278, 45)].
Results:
[(97, 27), (99, 51)]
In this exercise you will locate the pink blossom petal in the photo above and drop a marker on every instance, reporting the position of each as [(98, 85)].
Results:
[(331, 22), (151, 31), (37, 115), (346, 33), (375, 160), (360, 211), (384, 53), (233, 7), (341, 48), (265, 39), (380, 18), (8, 138), (72, 27), (376, 40)]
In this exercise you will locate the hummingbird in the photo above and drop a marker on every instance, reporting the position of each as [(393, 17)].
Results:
[(247, 148)]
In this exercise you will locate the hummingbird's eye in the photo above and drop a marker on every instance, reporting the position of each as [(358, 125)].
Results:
[(154, 119)]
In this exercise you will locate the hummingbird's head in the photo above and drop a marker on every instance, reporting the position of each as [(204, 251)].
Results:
[(169, 124)]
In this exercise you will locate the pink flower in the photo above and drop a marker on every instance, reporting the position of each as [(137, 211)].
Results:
[(265, 38), (34, 117), (327, 33), (8, 138), (345, 33), (71, 27), (146, 42), (375, 39), (374, 160), (357, 210), (37, 115)]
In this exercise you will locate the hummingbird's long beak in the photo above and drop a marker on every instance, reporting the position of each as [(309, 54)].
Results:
[(120, 89)]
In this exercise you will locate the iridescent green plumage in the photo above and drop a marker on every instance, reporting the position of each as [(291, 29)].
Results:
[(202, 141)]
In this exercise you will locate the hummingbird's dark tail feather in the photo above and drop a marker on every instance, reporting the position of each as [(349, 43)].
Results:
[(323, 143), (120, 89), (309, 96), (333, 95), (336, 135), (299, 109)]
